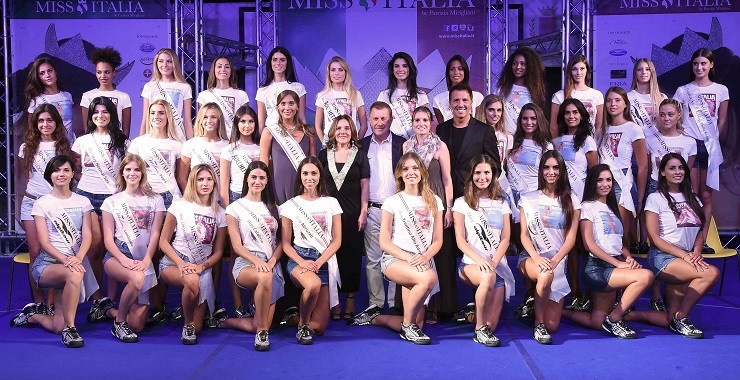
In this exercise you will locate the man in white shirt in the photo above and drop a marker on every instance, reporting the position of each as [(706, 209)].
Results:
[(383, 150)]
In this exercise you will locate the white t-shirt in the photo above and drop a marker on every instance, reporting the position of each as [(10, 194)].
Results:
[(713, 95), (232, 98), (268, 95), (240, 155), (37, 185), (249, 240), (606, 226), (64, 104), (161, 157), (50, 207), (590, 97), (524, 164), (207, 223), (176, 91), (619, 139), (505, 143), (99, 172), (678, 229), (201, 151), (143, 209), (575, 160), (681, 144), (551, 214), (406, 110), (442, 102), (494, 211), (119, 98), (520, 96), (321, 211), (422, 224), (647, 103), (336, 103)]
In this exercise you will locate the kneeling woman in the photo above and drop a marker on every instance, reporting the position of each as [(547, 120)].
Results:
[(311, 234), (62, 220), (410, 236), (674, 219), (253, 225), (551, 215), (609, 266), (199, 226), (132, 221), (482, 229)]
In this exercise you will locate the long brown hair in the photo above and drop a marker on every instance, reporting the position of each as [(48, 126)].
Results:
[(307, 130), (144, 185), (569, 84), (562, 186), (33, 136), (430, 203), (34, 87), (471, 193), (211, 83), (684, 187), (534, 75), (332, 143), (541, 135)]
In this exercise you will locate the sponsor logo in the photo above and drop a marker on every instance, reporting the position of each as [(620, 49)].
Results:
[(147, 73), (146, 47), (85, 6), (617, 52), (146, 61), (618, 42), (617, 83), (387, 4), (618, 74)]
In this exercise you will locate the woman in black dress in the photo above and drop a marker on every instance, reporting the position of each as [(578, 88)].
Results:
[(349, 171)]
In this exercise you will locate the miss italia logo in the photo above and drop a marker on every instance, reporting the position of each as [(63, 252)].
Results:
[(383, 4)]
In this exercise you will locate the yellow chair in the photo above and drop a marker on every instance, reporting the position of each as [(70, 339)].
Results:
[(720, 252), (20, 258)]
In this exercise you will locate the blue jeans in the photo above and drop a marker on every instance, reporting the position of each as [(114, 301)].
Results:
[(95, 199), (310, 254)]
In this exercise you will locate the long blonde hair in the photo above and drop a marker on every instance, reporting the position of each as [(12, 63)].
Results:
[(198, 129), (678, 106), (347, 85), (655, 95), (430, 203), (170, 121), (481, 113), (191, 192), (176, 70), (144, 185)]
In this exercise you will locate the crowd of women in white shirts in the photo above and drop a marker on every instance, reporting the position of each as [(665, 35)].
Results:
[(164, 208)]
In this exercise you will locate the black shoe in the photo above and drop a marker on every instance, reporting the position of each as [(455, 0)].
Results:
[(643, 248), (365, 317), (262, 341), (485, 336), (188, 335), (413, 334), (684, 327), (658, 304), (21, 319), (123, 332), (176, 314), (155, 316), (541, 335), (526, 309), (707, 250), (216, 318), (466, 314), (290, 315), (304, 335), (99, 309), (71, 338), (618, 329), (634, 248)]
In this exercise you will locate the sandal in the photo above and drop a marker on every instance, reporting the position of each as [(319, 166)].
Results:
[(349, 308), (335, 314)]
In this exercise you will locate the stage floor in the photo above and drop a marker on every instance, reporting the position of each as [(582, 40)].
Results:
[(372, 352)]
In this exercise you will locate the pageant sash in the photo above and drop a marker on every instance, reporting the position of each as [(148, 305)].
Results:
[(491, 243), (340, 176), (160, 166), (205, 156), (124, 217), (710, 134), (195, 253), (228, 112), (239, 158), (402, 113), (291, 147), (102, 163), (176, 117), (420, 242), (259, 228), (607, 157), (511, 114), (509, 195), (576, 177)]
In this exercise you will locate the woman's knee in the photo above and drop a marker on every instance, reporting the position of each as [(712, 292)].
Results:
[(191, 283), (264, 280)]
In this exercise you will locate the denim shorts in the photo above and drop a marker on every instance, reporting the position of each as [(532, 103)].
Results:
[(658, 260), (167, 197), (233, 196), (652, 186), (241, 263), (121, 247), (166, 262), (499, 280), (310, 254), (38, 266), (701, 160), (26, 207), (95, 199), (596, 273)]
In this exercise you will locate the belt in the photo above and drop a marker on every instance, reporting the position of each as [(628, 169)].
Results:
[(376, 205), (29, 196)]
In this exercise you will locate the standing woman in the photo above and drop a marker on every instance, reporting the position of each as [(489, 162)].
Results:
[(531, 141), (42, 87), (46, 139), (609, 266), (99, 153), (456, 72), (349, 174), (482, 229), (161, 151), (222, 89), (242, 150), (622, 137), (705, 105), (132, 221), (339, 97), (645, 95), (551, 215), (311, 235), (280, 76), (198, 224), (674, 219), (62, 221), (252, 222), (288, 141), (107, 60), (402, 94), (168, 84), (206, 145), (577, 79), (436, 158), (522, 81)]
